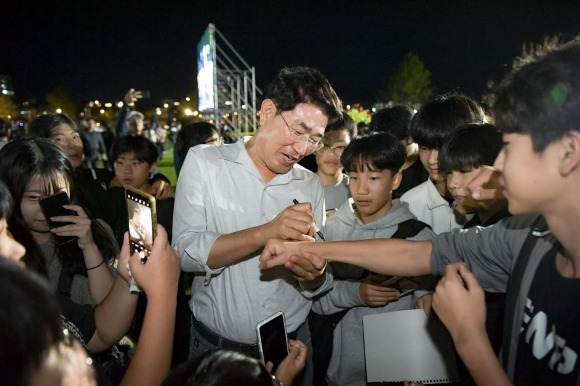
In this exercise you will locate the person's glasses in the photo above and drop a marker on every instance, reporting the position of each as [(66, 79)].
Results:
[(215, 141), (297, 137), (329, 149)]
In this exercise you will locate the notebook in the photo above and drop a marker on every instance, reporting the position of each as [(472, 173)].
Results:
[(405, 346)]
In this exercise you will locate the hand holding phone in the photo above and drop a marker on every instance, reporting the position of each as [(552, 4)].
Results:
[(142, 214), (273, 340), (53, 206)]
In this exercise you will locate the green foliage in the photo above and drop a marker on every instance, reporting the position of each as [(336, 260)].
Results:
[(8, 109), (411, 83), (358, 114), (59, 98)]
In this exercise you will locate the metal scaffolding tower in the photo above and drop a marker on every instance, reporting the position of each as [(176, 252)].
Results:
[(235, 91)]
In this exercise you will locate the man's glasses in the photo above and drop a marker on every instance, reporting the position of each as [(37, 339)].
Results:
[(329, 149), (297, 137)]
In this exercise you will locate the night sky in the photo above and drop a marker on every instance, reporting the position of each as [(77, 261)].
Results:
[(99, 49)]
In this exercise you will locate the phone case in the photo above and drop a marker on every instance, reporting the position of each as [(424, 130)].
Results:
[(272, 339), (52, 206), (142, 221)]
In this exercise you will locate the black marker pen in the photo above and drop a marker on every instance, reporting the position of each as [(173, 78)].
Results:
[(318, 232)]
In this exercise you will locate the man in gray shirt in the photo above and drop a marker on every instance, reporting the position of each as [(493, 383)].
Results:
[(231, 199)]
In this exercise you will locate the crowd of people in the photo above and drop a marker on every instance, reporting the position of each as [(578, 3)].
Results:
[(467, 216)]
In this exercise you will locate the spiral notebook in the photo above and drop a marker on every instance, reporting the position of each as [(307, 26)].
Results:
[(405, 346)]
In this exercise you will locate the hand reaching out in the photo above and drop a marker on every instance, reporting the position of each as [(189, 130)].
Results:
[(293, 364), (485, 185)]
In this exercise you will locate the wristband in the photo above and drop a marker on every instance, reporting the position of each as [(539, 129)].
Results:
[(97, 266)]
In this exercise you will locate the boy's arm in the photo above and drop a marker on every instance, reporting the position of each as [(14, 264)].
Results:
[(385, 256), (459, 302)]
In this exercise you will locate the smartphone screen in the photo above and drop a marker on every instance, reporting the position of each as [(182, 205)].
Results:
[(272, 339), (52, 206), (142, 215)]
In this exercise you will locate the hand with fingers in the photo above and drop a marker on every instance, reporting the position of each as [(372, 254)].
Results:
[(485, 185), (131, 97), (293, 364), (375, 294), (79, 226), (294, 223)]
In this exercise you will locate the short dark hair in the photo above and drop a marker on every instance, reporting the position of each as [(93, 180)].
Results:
[(542, 98), (193, 134), (298, 85), (344, 123), (42, 125), (30, 321), (394, 120), (376, 151), (435, 120), (220, 368), (470, 146), (144, 149)]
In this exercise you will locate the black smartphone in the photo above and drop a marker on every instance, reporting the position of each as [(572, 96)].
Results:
[(142, 214), (145, 94), (272, 339), (52, 206)]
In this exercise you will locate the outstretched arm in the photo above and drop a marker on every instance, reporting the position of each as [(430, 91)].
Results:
[(158, 278), (385, 256), (459, 302)]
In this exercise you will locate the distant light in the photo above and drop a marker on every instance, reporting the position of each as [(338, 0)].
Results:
[(58, 111), (235, 113), (229, 103), (5, 92), (119, 104), (374, 110), (187, 99), (188, 112), (195, 113), (96, 102), (175, 103), (108, 105), (348, 107), (102, 111), (166, 105), (243, 107), (10, 117)]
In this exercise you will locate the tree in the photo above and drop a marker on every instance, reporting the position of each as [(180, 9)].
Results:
[(8, 109), (59, 98), (410, 84)]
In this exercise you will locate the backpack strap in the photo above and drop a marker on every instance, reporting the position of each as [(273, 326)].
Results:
[(538, 229), (409, 228)]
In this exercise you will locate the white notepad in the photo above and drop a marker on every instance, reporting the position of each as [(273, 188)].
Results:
[(405, 346)]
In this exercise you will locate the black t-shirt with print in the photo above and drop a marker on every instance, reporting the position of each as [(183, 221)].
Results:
[(549, 340)]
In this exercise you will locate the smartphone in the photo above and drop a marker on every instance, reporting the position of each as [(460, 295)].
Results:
[(142, 216), (273, 340), (52, 206), (145, 94)]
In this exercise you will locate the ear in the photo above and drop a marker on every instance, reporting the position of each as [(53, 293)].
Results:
[(152, 167), (267, 110), (570, 158), (397, 178)]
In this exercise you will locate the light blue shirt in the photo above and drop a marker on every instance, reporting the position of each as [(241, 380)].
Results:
[(221, 191)]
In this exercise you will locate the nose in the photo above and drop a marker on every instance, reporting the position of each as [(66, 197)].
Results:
[(433, 157), (361, 186), (453, 180), (301, 148), (499, 161), (14, 250)]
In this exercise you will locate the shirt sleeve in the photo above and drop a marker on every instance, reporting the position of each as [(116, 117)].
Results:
[(191, 236)]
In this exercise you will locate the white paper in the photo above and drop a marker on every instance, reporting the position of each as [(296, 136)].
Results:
[(405, 346)]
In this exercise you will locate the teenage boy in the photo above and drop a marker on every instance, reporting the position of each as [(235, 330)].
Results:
[(462, 156), (534, 259), (373, 163), (396, 120), (231, 199), (337, 136), (430, 127)]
